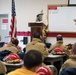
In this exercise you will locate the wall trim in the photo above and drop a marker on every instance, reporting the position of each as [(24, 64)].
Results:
[(49, 34)]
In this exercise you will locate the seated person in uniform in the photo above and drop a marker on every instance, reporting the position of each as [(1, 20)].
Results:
[(59, 44), (11, 46), (71, 62), (37, 44)]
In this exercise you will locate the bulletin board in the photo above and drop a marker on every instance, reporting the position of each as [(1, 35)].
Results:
[(61, 18)]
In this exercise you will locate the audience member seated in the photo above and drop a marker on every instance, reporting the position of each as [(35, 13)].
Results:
[(59, 44), (37, 44), (11, 46), (68, 71), (71, 62), (3, 68), (32, 61), (43, 39)]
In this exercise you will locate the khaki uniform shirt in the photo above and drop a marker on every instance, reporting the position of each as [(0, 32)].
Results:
[(70, 63), (60, 45), (36, 44), (10, 47)]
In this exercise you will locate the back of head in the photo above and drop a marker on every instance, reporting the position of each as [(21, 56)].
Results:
[(74, 48), (36, 35), (3, 69), (32, 59), (59, 37), (15, 42)]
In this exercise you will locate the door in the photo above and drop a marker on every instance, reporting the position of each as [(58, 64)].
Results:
[(4, 27)]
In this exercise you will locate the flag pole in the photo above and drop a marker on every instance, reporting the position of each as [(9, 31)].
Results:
[(13, 26)]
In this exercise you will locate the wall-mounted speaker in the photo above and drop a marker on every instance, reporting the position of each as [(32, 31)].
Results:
[(25, 40)]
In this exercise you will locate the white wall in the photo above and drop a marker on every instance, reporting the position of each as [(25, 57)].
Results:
[(26, 12)]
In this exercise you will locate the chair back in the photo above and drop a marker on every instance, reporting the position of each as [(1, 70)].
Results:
[(54, 69)]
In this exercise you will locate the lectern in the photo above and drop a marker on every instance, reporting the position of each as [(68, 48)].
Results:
[(36, 27)]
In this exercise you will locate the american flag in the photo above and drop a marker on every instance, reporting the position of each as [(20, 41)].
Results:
[(13, 25)]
